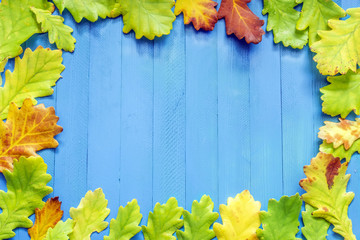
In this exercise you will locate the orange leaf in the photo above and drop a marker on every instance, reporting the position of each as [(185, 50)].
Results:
[(241, 21), (46, 218), (202, 13), (26, 131)]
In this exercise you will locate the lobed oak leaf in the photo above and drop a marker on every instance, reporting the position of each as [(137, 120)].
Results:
[(89, 9), (26, 131), (340, 152), (61, 231), (58, 32), (89, 216), (148, 18), (325, 188), (341, 96), (315, 15), (282, 18), (241, 21), (314, 228), (33, 76), (126, 224), (281, 219), (198, 222), (241, 218), (26, 187), (202, 13), (338, 51), (345, 132), (46, 218), (165, 220)]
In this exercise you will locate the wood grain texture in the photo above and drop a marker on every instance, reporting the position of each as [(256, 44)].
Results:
[(188, 114)]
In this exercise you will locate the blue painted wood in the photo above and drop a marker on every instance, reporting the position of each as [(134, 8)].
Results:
[(188, 114)]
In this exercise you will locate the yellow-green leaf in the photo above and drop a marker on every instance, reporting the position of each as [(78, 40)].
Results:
[(314, 228)]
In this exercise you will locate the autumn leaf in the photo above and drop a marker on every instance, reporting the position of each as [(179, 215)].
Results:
[(33, 76), (340, 152), (282, 18), (26, 187), (89, 216), (202, 13), (341, 96), (325, 188), (26, 131), (314, 228), (18, 24), (126, 224), (339, 48), (148, 18), (61, 231), (315, 15), (89, 9), (281, 219), (2, 67), (165, 220), (59, 33), (198, 222), (240, 217), (241, 21), (46, 218)]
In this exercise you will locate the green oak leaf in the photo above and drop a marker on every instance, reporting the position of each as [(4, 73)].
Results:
[(18, 24), (314, 228), (198, 222), (89, 9), (58, 32), (33, 76), (282, 18), (61, 231), (340, 152), (165, 220), (339, 48), (89, 216), (126, 224), (325, 188), (148, 18), (342, 96), (281, 219), (2, 67), (315, 15), (26, 187)]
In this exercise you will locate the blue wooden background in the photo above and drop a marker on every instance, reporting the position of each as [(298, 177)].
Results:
[(188, 114)]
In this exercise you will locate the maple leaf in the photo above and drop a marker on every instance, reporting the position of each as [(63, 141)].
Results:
[(341, 95), (340, 152), (46, 218), (281, 220), (314, 228), (26, 131), (198, 222), (339, 48), (26, 187), (282, 18), (58, 31), (241, 21), (89, 9), (241, 218), (126, 224), (345, 132), (325, 185), (164, 221), (315, 15), (148, 18), (33, 76), (202, 13), (89, 216), (61, 231)]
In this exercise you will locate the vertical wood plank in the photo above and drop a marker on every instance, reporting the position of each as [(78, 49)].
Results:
[(169, 116)]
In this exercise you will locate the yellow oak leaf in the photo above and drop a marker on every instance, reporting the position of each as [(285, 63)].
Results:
[(241, 218), (26, 131), (345, 132), (202, 13), (46, 218)]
